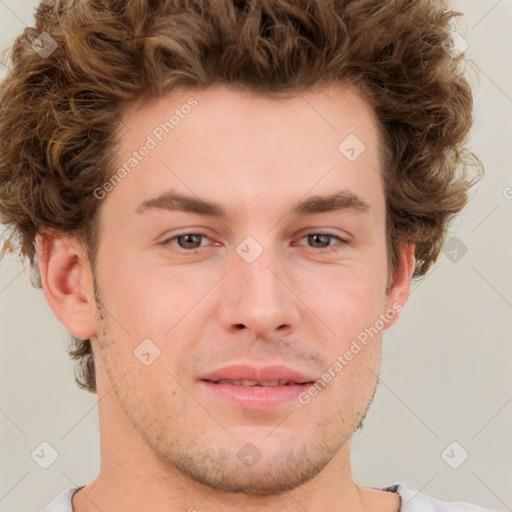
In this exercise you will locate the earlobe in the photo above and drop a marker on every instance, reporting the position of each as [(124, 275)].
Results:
[(67, 282), (398, 292)]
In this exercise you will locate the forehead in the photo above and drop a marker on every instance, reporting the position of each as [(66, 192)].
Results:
[(222, 142), (225, 113)]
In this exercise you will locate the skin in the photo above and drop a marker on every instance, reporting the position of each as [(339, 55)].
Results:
[(167, 443)]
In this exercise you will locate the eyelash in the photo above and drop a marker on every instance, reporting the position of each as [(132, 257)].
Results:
[(329, 248)]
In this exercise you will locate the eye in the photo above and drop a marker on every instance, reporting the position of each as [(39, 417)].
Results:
[(189, 241), (322, 240)]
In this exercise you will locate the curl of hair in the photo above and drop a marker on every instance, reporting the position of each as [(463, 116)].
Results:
[(60, 115)]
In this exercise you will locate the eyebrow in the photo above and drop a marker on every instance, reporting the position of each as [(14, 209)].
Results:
[(342, 200)]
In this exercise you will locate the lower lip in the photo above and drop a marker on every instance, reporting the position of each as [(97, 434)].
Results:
[(257, 397)]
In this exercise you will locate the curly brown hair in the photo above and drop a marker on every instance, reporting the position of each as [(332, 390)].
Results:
[(60, 113)]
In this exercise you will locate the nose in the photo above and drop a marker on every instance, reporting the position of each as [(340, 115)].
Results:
[(259, 297)]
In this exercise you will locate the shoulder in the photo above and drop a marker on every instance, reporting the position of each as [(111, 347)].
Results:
[(62, 503), (413, 501)]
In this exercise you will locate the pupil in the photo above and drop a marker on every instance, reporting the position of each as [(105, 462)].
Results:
[(189, 239), (324, 239)]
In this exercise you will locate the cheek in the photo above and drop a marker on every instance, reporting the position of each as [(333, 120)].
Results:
[(126, 294), (158, 303), (350, 301), (351, 306)]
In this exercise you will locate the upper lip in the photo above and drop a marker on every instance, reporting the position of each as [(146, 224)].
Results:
[(263, 374)]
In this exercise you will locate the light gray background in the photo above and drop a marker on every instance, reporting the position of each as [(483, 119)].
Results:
[(446, 364)]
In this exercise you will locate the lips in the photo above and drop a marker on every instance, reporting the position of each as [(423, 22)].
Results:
[(244, 375), (261, 389)]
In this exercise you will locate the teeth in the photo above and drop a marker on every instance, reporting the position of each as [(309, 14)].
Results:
[(254, 382)]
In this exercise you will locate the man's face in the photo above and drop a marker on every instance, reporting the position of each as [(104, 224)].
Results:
[(263, 286)]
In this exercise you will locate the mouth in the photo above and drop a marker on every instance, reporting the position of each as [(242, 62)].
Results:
[(269, 383), (256, 388)]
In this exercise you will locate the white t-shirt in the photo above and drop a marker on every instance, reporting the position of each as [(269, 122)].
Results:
[(412, 501)]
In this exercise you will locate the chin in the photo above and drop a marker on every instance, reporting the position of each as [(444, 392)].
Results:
[(251, 471)]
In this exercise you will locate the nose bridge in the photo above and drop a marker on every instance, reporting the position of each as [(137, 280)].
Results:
[(256, 296), (260, 278)]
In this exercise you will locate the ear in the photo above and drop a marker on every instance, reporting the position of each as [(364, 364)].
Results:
[(67, 282), (400, 285)]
